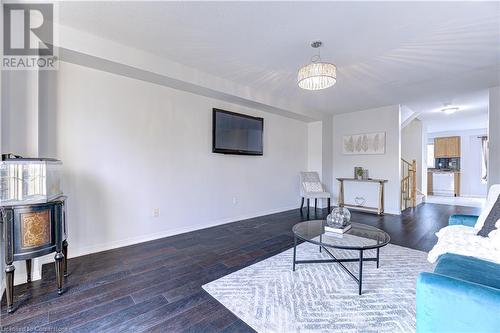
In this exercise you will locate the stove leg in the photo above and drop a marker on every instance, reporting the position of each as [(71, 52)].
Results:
[(9, 288), (65, 253), (28, 270), (59, 271)]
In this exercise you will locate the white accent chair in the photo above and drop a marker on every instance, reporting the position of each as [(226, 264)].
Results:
[(311, 188)]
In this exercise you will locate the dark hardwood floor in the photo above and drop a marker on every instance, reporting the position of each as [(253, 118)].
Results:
[(156, 286)]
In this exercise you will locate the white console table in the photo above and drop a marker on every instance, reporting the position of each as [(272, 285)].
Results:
[(377, 210)]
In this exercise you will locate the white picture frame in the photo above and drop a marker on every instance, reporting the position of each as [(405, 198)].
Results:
[(364, 144)]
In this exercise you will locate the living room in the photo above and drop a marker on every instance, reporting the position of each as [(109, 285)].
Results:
[(158, 226)]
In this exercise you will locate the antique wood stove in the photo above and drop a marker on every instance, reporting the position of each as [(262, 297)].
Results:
[(32, 209)]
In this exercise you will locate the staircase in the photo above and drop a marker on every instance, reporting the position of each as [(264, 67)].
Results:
[(408, 184)]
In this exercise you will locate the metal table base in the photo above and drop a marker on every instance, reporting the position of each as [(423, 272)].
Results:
[(360, 260)]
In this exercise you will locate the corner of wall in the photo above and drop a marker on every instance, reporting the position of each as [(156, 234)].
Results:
[(315, 147), (494, 136), (327, 151)]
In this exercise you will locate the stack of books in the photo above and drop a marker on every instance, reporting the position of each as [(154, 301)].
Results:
[(339, 230)]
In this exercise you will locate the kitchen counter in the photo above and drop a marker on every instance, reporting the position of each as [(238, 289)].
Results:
[(442, 170)]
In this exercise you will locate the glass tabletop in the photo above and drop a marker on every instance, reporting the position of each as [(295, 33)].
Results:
[(359, 237)]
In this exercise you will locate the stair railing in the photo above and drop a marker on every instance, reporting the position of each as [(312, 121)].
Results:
[(408, 184)]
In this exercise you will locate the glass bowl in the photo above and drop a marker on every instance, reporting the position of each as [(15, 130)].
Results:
[(340, 217)]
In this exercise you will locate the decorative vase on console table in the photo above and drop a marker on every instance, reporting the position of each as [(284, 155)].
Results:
[(32, 211)]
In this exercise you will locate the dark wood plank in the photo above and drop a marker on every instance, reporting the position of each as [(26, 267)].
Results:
[(88, 315), (186, 319), (116, 318), (162, 314), (218, 320)]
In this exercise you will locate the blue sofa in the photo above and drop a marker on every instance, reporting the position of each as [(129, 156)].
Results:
[(467, 220), (461, 295)]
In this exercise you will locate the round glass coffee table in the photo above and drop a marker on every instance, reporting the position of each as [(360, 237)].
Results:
[(359, 238)]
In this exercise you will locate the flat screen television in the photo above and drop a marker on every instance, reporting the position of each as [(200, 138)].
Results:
[(235, 133)]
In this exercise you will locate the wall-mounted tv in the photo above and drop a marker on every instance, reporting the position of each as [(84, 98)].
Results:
[(235, 133)]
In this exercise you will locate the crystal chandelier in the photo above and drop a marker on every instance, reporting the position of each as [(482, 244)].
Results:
[(317, 75)]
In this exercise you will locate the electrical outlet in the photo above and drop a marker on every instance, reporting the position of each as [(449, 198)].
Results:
[(156, 212)]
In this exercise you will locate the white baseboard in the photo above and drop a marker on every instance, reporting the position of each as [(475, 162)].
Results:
[(473, 196), (420, 199), (444, 193)]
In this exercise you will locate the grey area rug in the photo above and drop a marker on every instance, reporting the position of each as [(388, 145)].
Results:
[(269, 297)]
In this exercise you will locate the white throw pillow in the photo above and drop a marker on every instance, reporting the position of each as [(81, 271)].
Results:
[(313, 187), (495, 236), (455, 230), (492, 198)]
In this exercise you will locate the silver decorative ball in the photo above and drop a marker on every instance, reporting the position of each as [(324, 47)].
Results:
[(339, 217)]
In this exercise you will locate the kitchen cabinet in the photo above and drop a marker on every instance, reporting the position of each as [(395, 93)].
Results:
[(429, 183), (439, 147), (447, 147), (453, 147), (456, 184)]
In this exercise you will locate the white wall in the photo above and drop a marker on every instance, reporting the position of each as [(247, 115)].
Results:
[(470, 161), (413, 144), (320, 153), (386, 166), (327, 152), (47, 113), (129, 147), (315, 147), (20, 112), (494, 136)]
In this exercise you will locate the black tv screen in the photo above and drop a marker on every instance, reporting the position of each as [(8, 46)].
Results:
[(235, 133)]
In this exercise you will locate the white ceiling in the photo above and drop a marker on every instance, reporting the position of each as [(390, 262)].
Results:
[(472, 114), (386, 52)]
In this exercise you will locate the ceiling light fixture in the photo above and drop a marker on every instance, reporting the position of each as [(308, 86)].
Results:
[(317, 75), (450, 109)]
